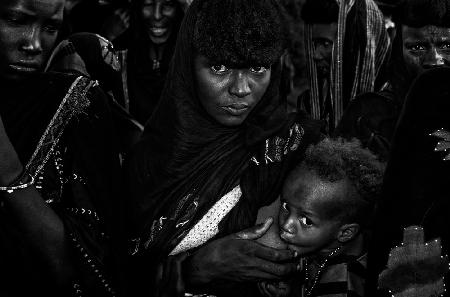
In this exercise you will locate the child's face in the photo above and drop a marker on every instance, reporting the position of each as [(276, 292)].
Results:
[(301, 218)]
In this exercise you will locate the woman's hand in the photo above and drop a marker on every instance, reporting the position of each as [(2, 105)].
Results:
[(239, 258), (169, 278), (270, 289)]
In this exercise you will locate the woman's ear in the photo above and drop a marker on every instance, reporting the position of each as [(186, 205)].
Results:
[(347, 232)]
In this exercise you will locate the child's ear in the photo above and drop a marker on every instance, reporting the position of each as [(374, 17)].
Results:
[(347, 232)]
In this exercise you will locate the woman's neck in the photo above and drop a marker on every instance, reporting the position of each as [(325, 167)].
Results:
[(156, 51)]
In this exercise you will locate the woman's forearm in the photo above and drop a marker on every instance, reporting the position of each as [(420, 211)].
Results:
[(42, 229)]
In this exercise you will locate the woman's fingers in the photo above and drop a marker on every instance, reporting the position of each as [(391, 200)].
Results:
[(274, 255), (256, 231), (177, 276), (275, 270)]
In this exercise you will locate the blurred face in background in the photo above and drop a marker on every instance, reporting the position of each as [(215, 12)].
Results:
[(159, 17), (28, 31), (323, 36)]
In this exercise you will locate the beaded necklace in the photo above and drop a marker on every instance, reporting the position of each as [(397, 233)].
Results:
[(318, 273)]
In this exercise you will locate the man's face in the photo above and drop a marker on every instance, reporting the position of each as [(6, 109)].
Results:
[(323, 37), (159, 16), (425, 47), (28, 31)]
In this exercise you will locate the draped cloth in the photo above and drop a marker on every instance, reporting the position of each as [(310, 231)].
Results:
[(358, 58), (60, 128), (186, 161), (417, 178)]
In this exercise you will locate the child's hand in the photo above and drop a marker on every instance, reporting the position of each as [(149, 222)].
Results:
[(273, 289)]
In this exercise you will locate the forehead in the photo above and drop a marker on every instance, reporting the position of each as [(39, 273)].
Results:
[(157, 1), (310, 193), (324, 31), (43, 8), (429, 32)]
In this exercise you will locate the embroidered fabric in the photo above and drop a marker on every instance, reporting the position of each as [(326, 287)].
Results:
[(207, 227), (277, 147), (73, 103)]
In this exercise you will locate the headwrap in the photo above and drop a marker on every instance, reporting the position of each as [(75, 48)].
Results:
[(186, 160), (358, 56)]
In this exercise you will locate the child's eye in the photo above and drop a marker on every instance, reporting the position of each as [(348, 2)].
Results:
[(305, 221), (258, 69), (219, 69), (284, 206)]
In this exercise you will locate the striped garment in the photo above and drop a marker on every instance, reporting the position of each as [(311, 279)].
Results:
[(370, 59), (344, 276)]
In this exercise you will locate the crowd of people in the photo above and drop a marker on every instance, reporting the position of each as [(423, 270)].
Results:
[(224, 148)]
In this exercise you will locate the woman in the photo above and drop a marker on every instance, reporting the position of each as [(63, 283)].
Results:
[(58, 172), (217, 147), (147, 49), (415, 193)]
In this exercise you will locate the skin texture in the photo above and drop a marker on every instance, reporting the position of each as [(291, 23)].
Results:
[(302, 223), (323, 37), (158, 17), (426, 47), (227, 94), (28, 31)]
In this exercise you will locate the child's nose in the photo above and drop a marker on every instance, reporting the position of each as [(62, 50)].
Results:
[(287, 229)]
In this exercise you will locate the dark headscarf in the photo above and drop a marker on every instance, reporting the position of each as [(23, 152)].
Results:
[(186, 155), (416, 185), (87, 54)]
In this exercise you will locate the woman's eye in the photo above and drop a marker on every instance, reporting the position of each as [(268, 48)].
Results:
[(52, 29), (305, 221), (445, 46), (258, 69), (219, 68), (417, 47)]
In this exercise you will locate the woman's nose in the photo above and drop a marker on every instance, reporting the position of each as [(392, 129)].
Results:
[(32, 44), (240, 86), (157, 14)]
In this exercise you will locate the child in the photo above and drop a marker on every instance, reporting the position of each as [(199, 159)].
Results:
[(325, 211)]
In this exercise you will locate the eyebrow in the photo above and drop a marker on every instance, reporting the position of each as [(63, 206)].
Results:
[(298, 208)]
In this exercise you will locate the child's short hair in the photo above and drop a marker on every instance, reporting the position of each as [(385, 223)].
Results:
[(338, 159)]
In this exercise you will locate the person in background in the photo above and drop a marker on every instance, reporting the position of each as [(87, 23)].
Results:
[(422, 41), (59, 173), (347, 47), (145, 51)]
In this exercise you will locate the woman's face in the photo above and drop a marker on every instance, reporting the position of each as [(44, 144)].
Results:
[(229, 94), (28, 30), (158, 17)]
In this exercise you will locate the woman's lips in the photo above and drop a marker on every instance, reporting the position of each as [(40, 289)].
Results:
[(24, 67), (236, 109), (158, 31)]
